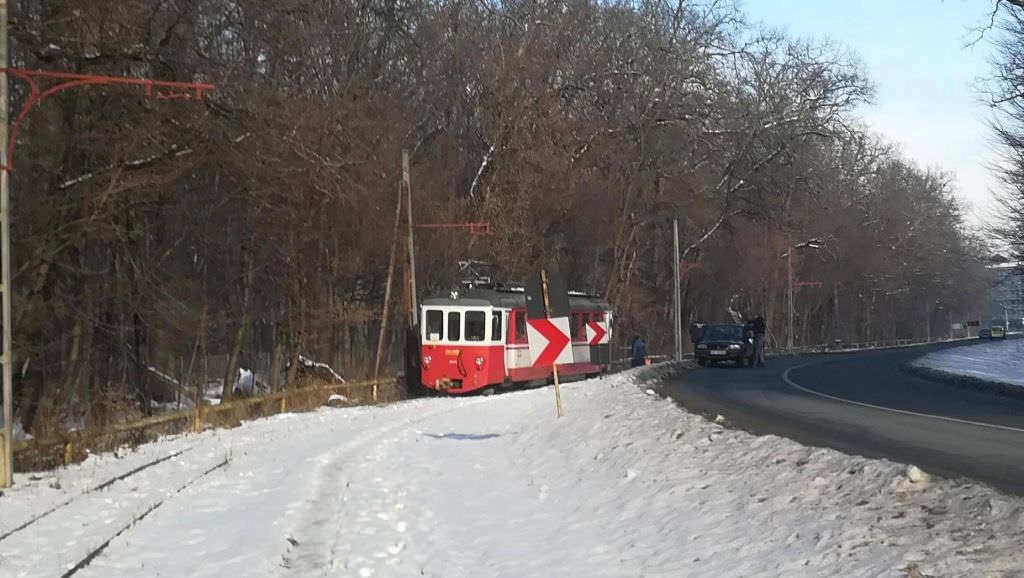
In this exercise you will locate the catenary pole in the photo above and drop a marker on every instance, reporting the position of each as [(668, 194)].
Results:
[(677, 317), (7, 443), (789, 296)]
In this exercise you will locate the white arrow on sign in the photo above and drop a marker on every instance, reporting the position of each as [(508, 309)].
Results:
[(549, 341)]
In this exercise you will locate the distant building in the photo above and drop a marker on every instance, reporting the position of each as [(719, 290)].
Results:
[(1007, 296)]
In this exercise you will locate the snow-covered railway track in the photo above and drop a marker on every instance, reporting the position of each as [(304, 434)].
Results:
[(91, 490), (88, 558), (66, 537)]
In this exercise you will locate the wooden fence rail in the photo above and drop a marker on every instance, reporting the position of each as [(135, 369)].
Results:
[(67, 447)]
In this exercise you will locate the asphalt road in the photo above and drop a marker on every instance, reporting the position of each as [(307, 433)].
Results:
[(861, 403)]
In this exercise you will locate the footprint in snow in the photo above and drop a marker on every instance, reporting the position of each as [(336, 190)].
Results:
[(631, 473)]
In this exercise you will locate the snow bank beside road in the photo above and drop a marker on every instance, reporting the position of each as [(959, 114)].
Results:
[(994, 361), (625, 485)]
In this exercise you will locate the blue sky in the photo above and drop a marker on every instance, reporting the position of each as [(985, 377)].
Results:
[(915, 52)]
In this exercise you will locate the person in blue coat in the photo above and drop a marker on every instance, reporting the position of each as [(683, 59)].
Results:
[(639, 352)]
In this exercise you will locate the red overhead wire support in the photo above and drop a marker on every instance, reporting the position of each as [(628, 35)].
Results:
[(687, 266), (159, 89)]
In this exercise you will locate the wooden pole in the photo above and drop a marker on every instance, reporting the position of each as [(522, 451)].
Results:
[(554, 367), (387, 294), (407, 182)]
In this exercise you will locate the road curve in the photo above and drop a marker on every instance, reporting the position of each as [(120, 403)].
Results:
[(861, 403)]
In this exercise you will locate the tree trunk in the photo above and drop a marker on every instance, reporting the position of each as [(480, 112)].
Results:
[(277, 352), (203, 356), (298, 340), (236, 349)]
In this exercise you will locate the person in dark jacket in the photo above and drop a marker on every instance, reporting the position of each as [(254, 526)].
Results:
[(696, 333), (639, 352), (758, 327)]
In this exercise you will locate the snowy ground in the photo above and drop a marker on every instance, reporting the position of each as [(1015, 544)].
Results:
[(1001, 361), (626, 484)]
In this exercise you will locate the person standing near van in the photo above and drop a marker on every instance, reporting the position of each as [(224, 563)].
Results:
[(758, 326)]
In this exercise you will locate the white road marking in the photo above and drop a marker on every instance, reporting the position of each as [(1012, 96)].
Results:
[(785, 377)]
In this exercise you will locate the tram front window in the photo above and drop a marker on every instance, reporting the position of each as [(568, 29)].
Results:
[(476, 325), (435, 325), (454, 326)]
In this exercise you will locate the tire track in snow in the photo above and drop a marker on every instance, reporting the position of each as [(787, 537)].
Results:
[(316, 556)]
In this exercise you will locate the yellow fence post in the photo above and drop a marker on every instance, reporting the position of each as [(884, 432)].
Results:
[(284, 404), (67, 452)]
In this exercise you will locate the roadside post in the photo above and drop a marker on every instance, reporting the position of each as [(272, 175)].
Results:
[(547, 326)]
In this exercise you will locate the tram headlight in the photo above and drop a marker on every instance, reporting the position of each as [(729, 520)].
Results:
[(479, 362), (426, 360)]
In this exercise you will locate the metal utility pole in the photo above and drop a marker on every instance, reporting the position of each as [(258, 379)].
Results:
[(928, 323), (407, 183), (789, 296), (6, 437), (677, 316)]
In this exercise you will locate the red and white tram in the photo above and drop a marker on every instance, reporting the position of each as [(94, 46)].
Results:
[(475, 339)]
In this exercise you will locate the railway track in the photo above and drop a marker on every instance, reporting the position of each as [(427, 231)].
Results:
[(95, 552), (66, 538), (97, 488)]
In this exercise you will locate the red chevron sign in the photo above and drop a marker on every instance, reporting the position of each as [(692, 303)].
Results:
[(549, 340), (597, 334)]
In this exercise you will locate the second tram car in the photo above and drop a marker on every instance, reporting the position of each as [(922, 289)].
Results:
[(475, 339)]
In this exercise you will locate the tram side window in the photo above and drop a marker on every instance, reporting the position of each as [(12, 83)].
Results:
[(435, 325), (476, 325), (574, 326), (496, 334), (520, 326), (454, 326)]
